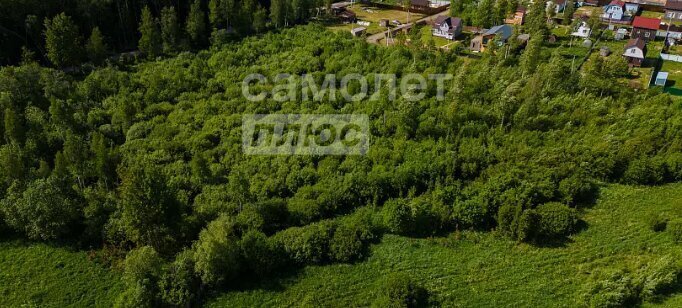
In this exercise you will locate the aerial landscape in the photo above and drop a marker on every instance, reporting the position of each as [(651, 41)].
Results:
[(321, 153)]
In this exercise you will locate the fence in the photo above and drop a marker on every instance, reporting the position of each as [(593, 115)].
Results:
[(674, 58)]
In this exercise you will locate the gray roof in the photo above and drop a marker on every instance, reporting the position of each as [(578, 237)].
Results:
[(505, 31)]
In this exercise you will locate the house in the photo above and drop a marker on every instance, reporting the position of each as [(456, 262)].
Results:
[(673, 10), (635, 51), (631, 8), (614, 10), (447, 27), (501, 33), (669, 31), (645, 28), (383, 23), (560, 5), (346, 16), (358, 31), (620, 34), (583, 30), (519, 17)]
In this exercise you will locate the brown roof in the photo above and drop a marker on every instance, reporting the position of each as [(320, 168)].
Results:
[(673, 5), (673, 28), (420, 2), (636, 42)]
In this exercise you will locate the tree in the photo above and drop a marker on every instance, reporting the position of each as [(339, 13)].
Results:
[(568, 12), (148, 210), (62, 41), (484, 16), (530, 56), (196, 24), (170, 30), (150, 40), (217, 252), (178, 284), (142, 270), (259, 19), (550, 10), (216, 13), (278, 13), (95, 47)]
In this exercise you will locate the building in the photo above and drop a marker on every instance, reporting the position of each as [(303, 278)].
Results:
[(500, 33), (635, 51), (661, 79), (560, 5), (519, 17), (358, 31), (582, 30), (669, 31), (645, 28), (673, 10), (631, 8), (614, 10), (447, 27), (346, 16), (420, 4), (383, 23)]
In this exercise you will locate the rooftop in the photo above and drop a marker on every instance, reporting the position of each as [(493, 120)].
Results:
[(646, 23)]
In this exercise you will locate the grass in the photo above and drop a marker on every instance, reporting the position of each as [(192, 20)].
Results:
[(33, 275), (651, 14), (374, 15), (674, 69), (483, 270), (426, 35)]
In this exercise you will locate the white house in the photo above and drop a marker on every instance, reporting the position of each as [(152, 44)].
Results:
[(635, 51), (631, 8), (560, 5), (614, 10), (583, 30), (447, 27)]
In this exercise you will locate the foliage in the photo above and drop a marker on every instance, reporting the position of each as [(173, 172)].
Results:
[(62, 41), (399, 290), (217, 253), (674, 228)]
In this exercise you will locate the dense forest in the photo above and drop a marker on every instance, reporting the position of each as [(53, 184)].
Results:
[(144, 159)]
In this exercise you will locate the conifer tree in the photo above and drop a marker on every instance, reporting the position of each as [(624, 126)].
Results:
[(196, 24), (169, 29), (150, 40), (95, 47), (62, 41)]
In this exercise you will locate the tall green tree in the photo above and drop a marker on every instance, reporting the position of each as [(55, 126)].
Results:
[(530, 56), (96, 48), (259, 19), (216, 14), (278, 13), (170, 30), (568, 12), (196, 24), (150, 39), (62, 41)]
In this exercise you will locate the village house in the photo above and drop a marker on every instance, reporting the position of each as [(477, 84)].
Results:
[(673, 10), (614, 10), (669, 31), (420, 4), (519, 17), (359, 31), (635, 51), (500, 33), (645, 28), (631, 8), (583, 29), (447, 27), (560, 5)]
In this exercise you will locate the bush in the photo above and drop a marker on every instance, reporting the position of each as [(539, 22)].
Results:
[(306, 245), (469, 214), (675, 229), (674, 163), (398, 290), (178, 283), (260, 255), (657, 222), (578, 189), (217, 253), (397, 217), (142, 269), (527, 228), (660, 277), (645, 171), (139, 295), (618, 290), (350, 238), (556, 219)]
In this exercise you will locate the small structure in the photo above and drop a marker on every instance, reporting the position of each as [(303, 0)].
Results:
[(420, 4), (620, 34), (501, 33), (363, 23), (523, 38), (613, 10), (587, 43), (551, 38), (661, 79), (645, 28), (519, 17), (358, 31), (631, 8), (344, 15), (635, 51), (447, 27), (604, 51), (583, 29), (673, 10), (560, 5), (383, 23)]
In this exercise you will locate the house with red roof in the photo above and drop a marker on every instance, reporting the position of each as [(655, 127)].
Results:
[(645, 28)]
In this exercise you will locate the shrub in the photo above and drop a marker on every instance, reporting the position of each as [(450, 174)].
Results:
[(142, 269), (618, 290), (645, 171), (178, 283), (674, 163), (306, 245), (578, 189), (657, 222), (139, 295), (398, 290), (660, 277), (507, 219), (675, 229), (217, 253), (250, 219), (557, 219), (260, 255), (527, 228), (397, 217), (351, 237), (469, 214)]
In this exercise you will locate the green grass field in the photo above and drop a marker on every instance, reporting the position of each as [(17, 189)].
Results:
[(40, 275), (483, 270)]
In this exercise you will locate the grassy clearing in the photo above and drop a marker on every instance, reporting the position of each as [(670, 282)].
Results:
[(367, 12), (427, 35), (33, 275), (483, 270), (651, 14)]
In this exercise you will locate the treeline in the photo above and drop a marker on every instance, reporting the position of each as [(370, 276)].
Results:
[(148, 158), (66, 33)]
